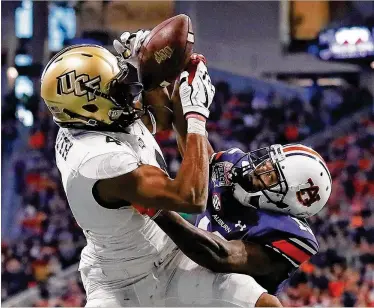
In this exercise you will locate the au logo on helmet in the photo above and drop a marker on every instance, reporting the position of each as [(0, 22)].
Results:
[(71, 83), (307, 196)]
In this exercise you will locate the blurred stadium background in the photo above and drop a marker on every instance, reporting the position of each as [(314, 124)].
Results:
[(284, 72)]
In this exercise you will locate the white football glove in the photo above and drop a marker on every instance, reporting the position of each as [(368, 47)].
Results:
[(196, 95), (129, 45)]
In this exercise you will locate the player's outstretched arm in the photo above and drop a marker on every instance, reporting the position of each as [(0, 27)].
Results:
[(179, 122), (149, 186), (217, 254)]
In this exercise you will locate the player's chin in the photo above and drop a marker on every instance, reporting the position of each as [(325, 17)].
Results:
[(138, 104)]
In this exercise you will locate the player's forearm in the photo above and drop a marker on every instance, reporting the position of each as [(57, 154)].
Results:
[(199, 245), (191, 181), (192, 101), (213, 252)]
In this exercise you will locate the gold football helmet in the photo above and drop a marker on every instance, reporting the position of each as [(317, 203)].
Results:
[(84, 85)]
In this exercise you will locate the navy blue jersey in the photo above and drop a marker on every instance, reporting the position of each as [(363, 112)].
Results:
[(287, 236)]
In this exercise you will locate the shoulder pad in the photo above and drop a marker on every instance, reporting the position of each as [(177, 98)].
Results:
[(231, 155), (99, 156), (289, 236)]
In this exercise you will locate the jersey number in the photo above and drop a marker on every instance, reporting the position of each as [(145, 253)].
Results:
[(302, 225), (63, 146), (203, 225)]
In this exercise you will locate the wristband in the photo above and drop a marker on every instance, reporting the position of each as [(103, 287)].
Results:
[(195, 116), (195, 126)]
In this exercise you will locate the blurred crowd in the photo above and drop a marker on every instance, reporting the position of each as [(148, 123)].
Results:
[(342, 273), (250, 120), (49, 240)]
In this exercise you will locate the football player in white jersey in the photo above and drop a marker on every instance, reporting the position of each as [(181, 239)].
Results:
[(110, 164)]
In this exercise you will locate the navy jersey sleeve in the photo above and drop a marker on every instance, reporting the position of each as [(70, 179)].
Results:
[(292, 238), (295, 250)]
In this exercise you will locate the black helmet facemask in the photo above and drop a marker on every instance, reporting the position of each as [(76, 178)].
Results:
[(124, 91), (243, 173)]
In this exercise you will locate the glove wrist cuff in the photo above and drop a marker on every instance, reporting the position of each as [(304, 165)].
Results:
[(197, 116), (196, 126)]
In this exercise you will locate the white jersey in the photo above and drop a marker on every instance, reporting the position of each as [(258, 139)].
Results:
[(116, 238)]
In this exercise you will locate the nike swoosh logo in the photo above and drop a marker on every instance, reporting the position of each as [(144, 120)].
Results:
[(206, 93)]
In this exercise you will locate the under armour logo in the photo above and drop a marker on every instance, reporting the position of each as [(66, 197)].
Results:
[(307, 196), (71, 83), (239, 224)]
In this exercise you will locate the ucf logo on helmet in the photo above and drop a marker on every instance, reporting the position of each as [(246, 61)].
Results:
[(71, 83)]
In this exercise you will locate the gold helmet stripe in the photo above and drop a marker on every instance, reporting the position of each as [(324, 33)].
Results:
[(63, 51)]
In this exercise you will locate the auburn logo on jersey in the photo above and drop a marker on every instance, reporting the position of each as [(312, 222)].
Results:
[(307, 196)]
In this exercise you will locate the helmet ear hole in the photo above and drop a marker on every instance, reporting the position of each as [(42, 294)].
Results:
[(90, 108)]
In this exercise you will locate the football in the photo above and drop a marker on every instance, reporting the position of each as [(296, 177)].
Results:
[(165, 52)]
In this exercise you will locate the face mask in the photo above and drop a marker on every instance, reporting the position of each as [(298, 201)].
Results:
[(245, 180)]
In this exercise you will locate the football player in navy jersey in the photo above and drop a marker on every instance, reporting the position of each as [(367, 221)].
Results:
[(237, 233), (254, 222)]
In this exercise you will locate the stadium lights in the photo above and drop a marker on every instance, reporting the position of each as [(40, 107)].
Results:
[(331, 82), (303, 82), (12, 73)]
